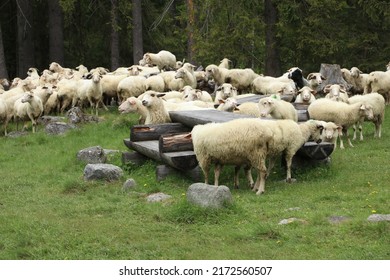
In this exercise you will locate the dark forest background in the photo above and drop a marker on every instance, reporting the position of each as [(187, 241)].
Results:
[(269, 36)]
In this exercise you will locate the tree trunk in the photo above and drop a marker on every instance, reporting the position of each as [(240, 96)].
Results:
[(114, 35), (3, 66), (138, 51), (56, 36), (26, 48), (272, 59), (190, 30)]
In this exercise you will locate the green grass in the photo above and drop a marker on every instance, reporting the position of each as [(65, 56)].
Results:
[(47, 210)]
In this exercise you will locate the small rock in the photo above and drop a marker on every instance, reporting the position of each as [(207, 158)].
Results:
[(92, 155), (102, 171), (158, 197), (209, 196), (57, 128), (291, 220), (129, 184), (379, 218)]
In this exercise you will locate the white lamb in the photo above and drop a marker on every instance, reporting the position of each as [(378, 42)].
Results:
[(4, 116), (191, 94), (241, 79), (221, 144), (225, 91), (227, 105), (336, 92), (187, 78), (155, 83), (164, 60), (248, 108), (315, 79), (110, 85), (225, 63), (305, 95), (131, 86), (156, 111), (278, 109), (357, 79), (271, 85), (379, 81), (29, 107), (377, 103), (91, 90), (218, 74), (330, 132), (134, 105), (340, 113)]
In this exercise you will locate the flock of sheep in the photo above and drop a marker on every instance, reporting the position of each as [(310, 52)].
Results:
[(160, 84)]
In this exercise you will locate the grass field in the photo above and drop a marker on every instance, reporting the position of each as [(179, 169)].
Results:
[(47, 210)]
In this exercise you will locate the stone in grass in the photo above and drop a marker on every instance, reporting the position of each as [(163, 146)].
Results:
[(102, 171), (158, 197), (292, 220), (129, 184), (58, 128), (92, 155), (379, 218), (338, 219), (209, 196)]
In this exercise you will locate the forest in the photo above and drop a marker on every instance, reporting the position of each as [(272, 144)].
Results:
[(268, 36)]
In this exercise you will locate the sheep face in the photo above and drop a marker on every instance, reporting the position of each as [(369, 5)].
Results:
[(128, 106), (295, 74), (54, 67), (4, 82), (331, 131), (306, 93), (180, 73), (95, 77), (150, 99), (134, 70), (228, 105), (266, 106), (27, 97), (366, 110), (32, 71), (355, 72), (227, 90), (316, 78)]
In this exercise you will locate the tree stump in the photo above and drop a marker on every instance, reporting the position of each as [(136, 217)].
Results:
[(332, 73)]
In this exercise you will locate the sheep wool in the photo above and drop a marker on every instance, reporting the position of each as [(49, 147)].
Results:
[(157, 113), (278, 109)]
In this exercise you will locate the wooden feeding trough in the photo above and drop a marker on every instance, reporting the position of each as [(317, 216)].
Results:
[(171, 143)]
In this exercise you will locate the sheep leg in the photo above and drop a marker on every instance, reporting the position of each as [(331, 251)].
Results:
[(289, 163), (271, 164), (348, 139), (248, 174), (217, 172), (262, 174), (236, 174)]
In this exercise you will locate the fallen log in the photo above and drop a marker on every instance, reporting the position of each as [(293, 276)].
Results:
[(154, 131), (175, 142)]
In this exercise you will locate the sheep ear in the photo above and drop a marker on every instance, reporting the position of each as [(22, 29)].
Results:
[(160, 95), (323, 78), (221, 101), (310, 76), (363, 107)]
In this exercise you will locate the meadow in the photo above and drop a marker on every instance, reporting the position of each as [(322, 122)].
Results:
[(48, 211)]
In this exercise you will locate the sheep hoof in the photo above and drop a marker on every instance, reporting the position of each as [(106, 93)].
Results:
[(259, 193)]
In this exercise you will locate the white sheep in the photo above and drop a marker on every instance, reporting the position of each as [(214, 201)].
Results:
[(377, 103), (224, 91), (156, 111), (4, 116), (288, 138), (227, 105), (187, 78), (110, 83), (67, 93), (134, 105), (130, 86), (315, 79), (330, 132), (191, 94), (336, 92), (221, 144), (305, 95), (164, 60), (29, 107), (271, 85), (248, 108), (241, 79), (43, 92), (379, 81), (62, 72), (357, 79), (218, 74), (340, 113), (278, 109), (91, 90), (155, 83), (225, 63)]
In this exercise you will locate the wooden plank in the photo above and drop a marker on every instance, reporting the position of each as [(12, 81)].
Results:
[(154, 131), (192, 118), (316, 151), (184, 160), (175, 142)]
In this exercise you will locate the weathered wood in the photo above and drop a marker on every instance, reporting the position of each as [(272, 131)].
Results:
[(184, 160), (154, 131), (316, 151), (175, 142), (192, 118), (332, 73), (303, 115)]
